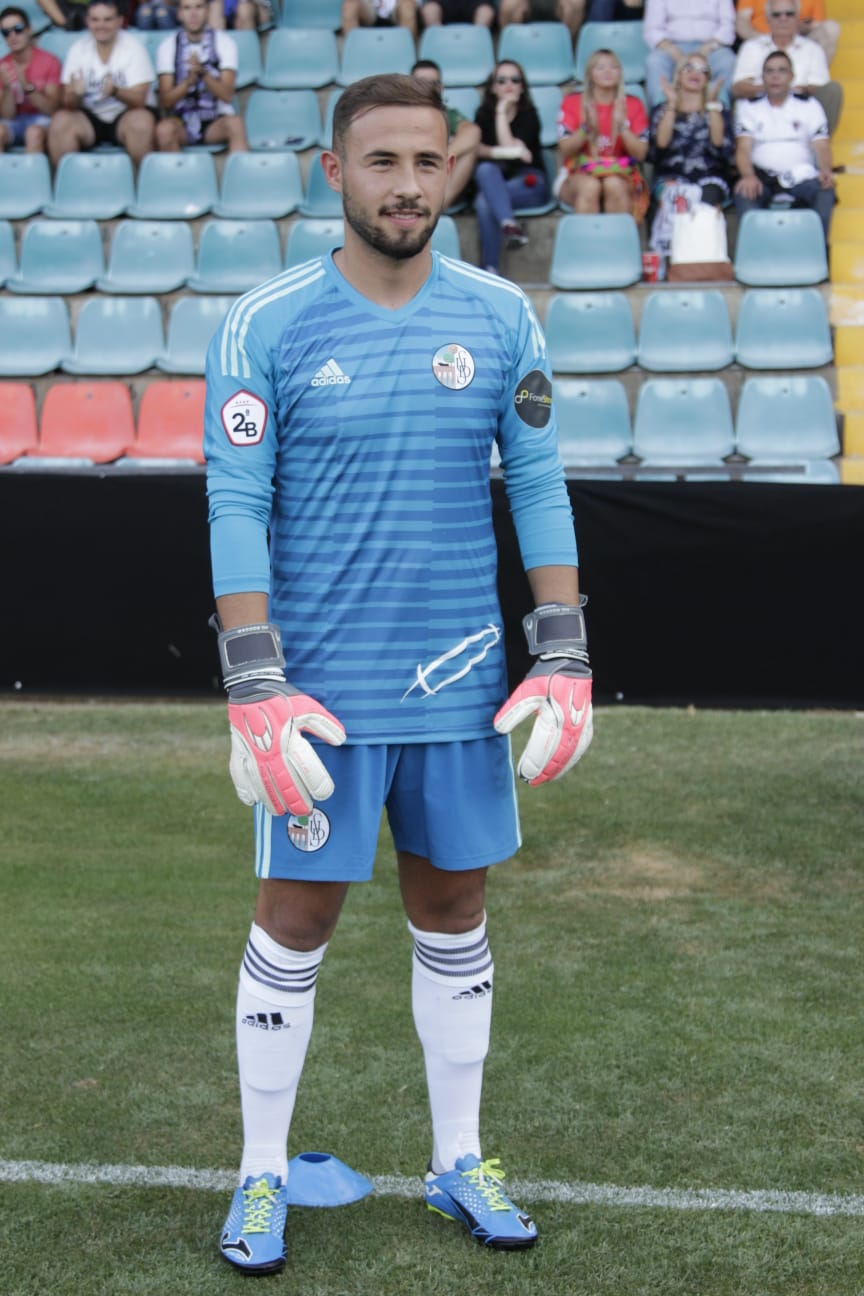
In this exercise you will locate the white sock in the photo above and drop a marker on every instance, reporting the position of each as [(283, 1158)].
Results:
[(275, 1008), (451, 995)]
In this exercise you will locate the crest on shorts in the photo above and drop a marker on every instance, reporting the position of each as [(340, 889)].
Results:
[(453, 366), (308, 832)]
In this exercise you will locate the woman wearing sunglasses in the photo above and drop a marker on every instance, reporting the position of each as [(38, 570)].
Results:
[(29, 85), (510, 171)]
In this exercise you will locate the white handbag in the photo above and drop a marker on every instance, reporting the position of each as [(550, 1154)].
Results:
[(698, 234)]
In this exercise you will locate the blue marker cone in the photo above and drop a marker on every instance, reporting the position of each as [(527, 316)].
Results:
[(318, 1179)]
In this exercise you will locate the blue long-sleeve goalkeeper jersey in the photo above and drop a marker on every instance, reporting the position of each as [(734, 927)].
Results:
[(348, 450)]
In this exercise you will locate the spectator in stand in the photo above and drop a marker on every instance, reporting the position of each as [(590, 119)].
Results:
[(69, 15), (436, 12), (783, 148), (464, 135), (379, 13), (197, 71), (615, 10), (510, 171), (242, 15), (602, 138), (812, 21), (673, 28), (691, 147), (29, 85), (107, 90), (156, 15), (569, 12), (809, 64)]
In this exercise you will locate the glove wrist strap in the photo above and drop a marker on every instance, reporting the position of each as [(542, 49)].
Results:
[(557, 630), (251, 652)]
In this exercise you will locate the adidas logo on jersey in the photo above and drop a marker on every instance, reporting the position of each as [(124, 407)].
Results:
[(330, 375)]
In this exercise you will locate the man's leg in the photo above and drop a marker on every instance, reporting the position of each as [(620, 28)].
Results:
[(136, 131), (69, 132), (811, 194)]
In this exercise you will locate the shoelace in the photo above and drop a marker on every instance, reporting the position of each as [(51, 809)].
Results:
[(486, 1179), (258, 1204)]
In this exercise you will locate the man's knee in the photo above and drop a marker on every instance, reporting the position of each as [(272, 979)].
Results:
[(299, 915)]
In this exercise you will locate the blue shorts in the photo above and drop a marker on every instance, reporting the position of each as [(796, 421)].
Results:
[(452, 803), (18, 125)]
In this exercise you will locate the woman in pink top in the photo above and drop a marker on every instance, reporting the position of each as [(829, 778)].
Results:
[(602, 138)]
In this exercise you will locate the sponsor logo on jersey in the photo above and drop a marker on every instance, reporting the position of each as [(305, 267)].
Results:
[(244, 418), (453, 366), (533, 399), (309, 832), (330, 375), (455, 663)]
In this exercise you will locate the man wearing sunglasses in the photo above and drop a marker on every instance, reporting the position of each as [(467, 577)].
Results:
[(810, 73), (29, 85), (812, 21), (673, 28)]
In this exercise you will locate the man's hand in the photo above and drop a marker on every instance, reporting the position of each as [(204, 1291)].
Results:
[(557, 691)]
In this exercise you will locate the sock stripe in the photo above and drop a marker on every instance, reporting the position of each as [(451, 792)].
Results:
[(451, 963), (289, 980)]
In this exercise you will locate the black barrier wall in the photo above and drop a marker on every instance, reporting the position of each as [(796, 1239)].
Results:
[(720, 594)]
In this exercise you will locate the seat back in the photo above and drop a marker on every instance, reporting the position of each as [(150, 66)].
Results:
[(92, 186), (235, 255), (463, 51), (300, 59), (283, 119), (780, 248), (149, 256), (543, 49), (171, 420), (116, 335), (683, 421), (8, 256), (82, 420), (320, 200), (308, 238), (191, 325), (250, 64), (596, 252), (590, 332), (300, 13), (593, 420), (18, 428), (786, 418), (547, 101), (25, 185), (685, 331), (175, 186), (264, 186), (623, 38), (35, 335), (58, 257), (371, 51), (783, 328)]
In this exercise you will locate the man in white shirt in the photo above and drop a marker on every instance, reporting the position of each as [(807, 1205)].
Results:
[(107, 93), (809, 64), (783, 147), (197, 71), (673, 28)]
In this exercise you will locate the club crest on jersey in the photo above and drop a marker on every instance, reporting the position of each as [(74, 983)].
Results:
[(244, 418), (453, 366), (308, 832)]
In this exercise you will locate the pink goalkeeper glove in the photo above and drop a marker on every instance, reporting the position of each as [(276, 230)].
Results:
[(557, 691)]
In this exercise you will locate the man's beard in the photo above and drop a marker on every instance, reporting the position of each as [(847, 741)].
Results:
[(401, 244)]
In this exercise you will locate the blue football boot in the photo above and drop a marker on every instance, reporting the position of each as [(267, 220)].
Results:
[(253, 1237), (472, 1194)]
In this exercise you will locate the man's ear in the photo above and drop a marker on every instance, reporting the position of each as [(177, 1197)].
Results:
[(332, 168)]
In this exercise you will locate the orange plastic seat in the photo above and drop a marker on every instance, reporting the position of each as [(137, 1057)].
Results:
[(171, 421), (86, 420), (18, 428)]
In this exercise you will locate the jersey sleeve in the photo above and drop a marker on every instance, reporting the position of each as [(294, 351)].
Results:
[(240, 446)]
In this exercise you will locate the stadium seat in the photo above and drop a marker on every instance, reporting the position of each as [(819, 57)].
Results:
[(329, 109), (18, 428), (116, 335), (58, 257), (92, 186), (371, 51), (250, 65), (593, 421), (25, 184), (550, 204), (175, 186), (260, 186), (8, 257), (590, 333), (623, 38), (234, 256), (596, 252), (309, 238), (283, 119), (320, 201), (300, 13), (466, 99), (170, 421), (812, 472), (685, 330), (34, 335), (148, 257), (300, 59), (82, 420), (683, 421), (543, 49), (191, 325), (56, 41), (780, 248), (547, 101), (783, 328), (463, 51), (786, 419), (446, 238)]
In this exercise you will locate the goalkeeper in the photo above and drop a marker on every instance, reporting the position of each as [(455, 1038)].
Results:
[(352, 406)]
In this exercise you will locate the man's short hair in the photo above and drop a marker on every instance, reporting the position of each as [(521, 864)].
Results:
[(775, 4), (390, 91), (117, 5), (424, 65), (12, 11), (775, 54)]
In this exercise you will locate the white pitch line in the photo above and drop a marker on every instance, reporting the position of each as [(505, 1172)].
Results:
[(543, 1190)]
